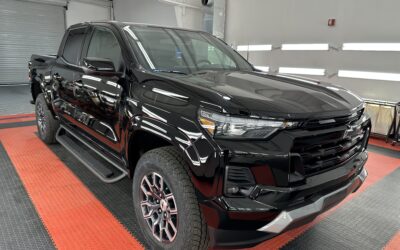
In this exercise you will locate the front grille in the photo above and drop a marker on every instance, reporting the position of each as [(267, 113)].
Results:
[(315, 124), (323, 152)]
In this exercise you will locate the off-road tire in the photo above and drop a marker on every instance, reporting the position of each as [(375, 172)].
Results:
[(192, 231)]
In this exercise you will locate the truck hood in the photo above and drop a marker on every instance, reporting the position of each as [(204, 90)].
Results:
[(267, 95)]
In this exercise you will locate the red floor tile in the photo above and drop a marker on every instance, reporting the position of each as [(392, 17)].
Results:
[(73, 216)]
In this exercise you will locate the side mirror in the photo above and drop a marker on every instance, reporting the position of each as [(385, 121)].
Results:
[(99, 65)]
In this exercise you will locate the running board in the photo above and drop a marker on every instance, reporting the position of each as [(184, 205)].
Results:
[(106, 169)]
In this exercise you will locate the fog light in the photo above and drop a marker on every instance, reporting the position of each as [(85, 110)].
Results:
[(233, 190), (239, 181)]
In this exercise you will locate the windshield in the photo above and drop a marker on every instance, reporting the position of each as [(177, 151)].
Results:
[(181, 51)]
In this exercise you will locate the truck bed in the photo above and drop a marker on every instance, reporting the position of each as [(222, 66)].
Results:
[(39, 66), (42, 59)]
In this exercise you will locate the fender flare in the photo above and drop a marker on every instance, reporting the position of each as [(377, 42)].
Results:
[(200, 155)]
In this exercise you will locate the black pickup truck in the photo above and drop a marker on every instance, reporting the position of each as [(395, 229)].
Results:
[(220, 154)]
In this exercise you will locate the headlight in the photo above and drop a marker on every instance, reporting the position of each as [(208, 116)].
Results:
[(223, 126)]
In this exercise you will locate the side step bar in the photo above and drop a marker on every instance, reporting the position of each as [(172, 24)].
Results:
[(106, 169)]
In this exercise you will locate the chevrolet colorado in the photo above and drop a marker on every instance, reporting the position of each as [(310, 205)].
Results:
[(220, 154)]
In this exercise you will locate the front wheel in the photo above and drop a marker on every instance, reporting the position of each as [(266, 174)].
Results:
[(165, 203)]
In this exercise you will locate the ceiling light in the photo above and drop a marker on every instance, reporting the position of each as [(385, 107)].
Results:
[(260, 47), (310, 46), (302, 71), (371, 46), (262, 68), (369, 75)]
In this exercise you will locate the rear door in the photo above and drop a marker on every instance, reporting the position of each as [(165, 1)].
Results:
[(101, 95), (66, 72)]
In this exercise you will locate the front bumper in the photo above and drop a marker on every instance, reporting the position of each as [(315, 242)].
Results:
[(276, 185), (291, 218), (286, 219), (245, 222)]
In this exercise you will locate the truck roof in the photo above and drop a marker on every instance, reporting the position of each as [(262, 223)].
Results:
[(122, 24)]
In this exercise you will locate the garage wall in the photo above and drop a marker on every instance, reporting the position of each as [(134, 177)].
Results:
[(27, 28), (306, 21), (83, 11)]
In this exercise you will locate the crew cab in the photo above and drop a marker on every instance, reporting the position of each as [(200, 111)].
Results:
[(219, 152)]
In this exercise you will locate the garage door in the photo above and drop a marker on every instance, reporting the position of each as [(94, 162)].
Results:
[(27, 28)]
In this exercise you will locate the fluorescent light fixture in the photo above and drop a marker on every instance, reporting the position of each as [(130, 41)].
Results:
[(242, 48), (260, 47), (302, 71), (369, 75), (371, 46), (262, 68), (306, 46)]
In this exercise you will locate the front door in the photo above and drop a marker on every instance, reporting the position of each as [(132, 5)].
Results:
[(101, 93), (65, 74)]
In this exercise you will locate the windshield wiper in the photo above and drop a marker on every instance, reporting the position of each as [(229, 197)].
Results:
[(170, 71)]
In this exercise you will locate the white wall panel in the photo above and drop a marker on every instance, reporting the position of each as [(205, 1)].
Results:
[(166, 13), (306, 21), (148, 11)]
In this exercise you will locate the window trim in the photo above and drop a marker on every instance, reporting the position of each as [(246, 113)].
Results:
[(85, 50), (84, 28)]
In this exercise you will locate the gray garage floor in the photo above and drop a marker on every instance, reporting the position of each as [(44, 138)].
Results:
[(15, 100)]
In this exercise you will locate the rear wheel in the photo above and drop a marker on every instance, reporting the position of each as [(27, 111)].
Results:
[(165, 203), (46, 124)]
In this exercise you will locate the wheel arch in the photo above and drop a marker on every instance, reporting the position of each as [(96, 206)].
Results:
[(35, 85), (139, 142), (148, 133)]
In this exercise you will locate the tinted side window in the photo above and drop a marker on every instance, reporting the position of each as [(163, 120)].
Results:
[(73, 45), (105, 45)]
